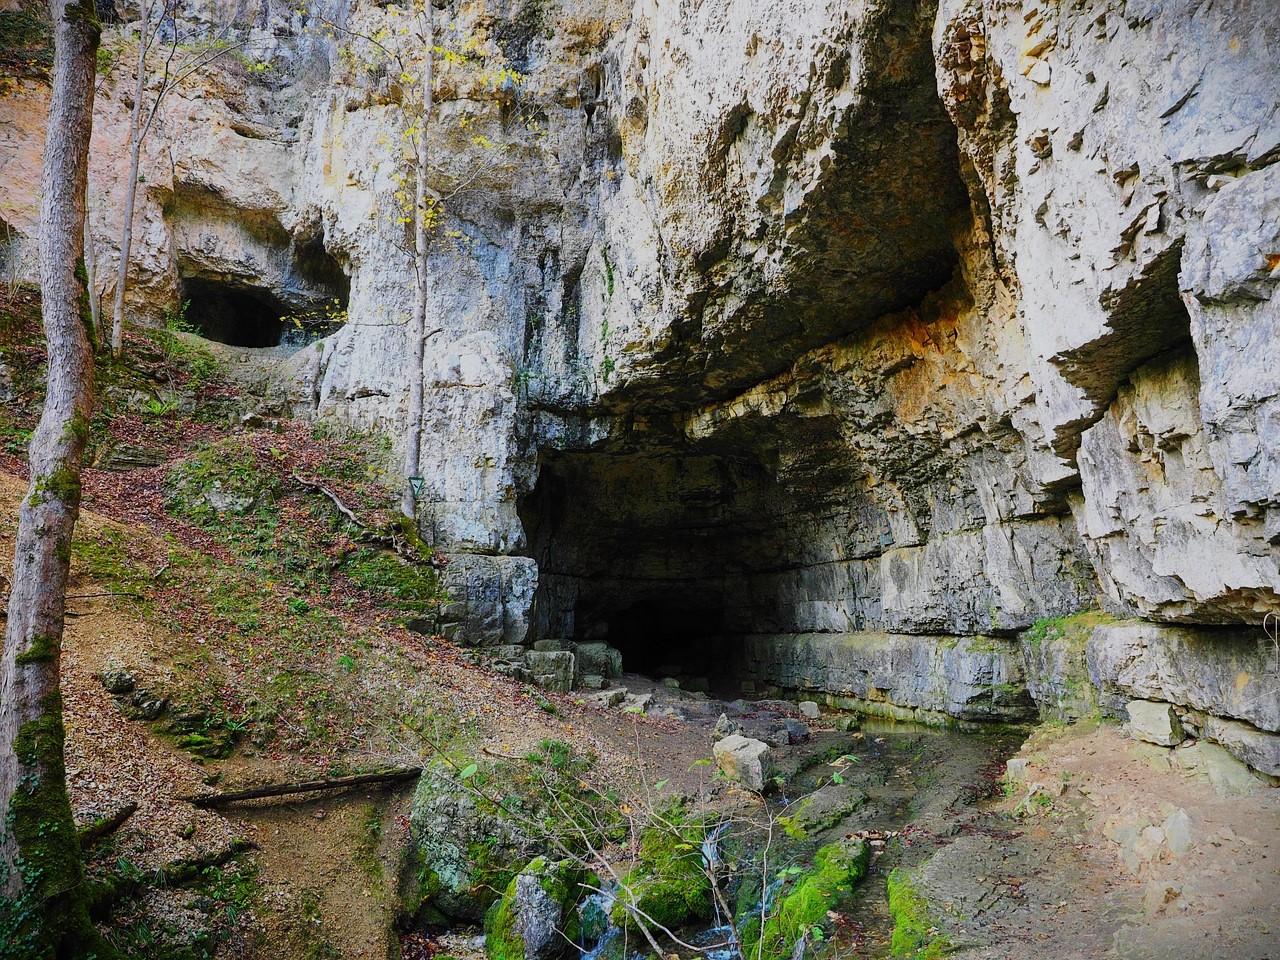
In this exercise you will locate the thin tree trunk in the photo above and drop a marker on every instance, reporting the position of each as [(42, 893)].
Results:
[(42, 876), (91, 277), (131, 190), (417, 332)]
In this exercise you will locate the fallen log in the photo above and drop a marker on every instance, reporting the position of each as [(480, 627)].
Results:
[(91, 834), (208, 800)]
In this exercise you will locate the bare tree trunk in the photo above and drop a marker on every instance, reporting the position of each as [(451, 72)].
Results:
[(40, 868), (91, 277), (417, 332), (131, 191)]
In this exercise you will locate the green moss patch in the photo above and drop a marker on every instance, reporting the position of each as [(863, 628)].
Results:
[(915, 937), (837, 869), (669, 884), (506, 930)]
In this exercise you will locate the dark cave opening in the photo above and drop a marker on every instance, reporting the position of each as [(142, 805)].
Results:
[(671, 552), (669, 635), (633, 549), (311, 303), (237, 316)]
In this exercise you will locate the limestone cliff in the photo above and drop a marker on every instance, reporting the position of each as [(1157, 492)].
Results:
[(836, 341)]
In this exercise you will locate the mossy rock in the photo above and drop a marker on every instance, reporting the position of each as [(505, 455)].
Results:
[(465, 855), (669, 884), (218, 479), (536, 918), (837, 869), (914, 932), (467, 847)]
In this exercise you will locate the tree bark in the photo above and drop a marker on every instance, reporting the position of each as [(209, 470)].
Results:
[(131, 191), (40, 869), (417, 332)]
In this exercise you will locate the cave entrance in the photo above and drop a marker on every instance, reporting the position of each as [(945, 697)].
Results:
[(658, 552), (237, 316), (670, 635)]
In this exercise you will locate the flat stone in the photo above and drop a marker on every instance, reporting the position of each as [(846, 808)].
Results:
[(637, 702), (1155, 723), (810, 709), (593, 681), (1177, 830), (608, 698), (745, 761)]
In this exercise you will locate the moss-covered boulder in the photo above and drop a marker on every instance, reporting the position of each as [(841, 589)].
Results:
[(473, 827), (669, 885), (536, 918), (837, 869), (463, 853)]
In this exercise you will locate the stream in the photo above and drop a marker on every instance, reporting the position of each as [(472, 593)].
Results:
[(899, 785)]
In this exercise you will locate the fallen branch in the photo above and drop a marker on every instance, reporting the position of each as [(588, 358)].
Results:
[(105, 893), (305, 786), (90, 596), (337, 501), (91, 834)]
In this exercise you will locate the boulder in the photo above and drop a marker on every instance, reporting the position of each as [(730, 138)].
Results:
[(536, 916), (118, 682), (725, 727), (810, 710), (458, 850), (551, 669), (748, 762), (598, 658), (1155, 723)]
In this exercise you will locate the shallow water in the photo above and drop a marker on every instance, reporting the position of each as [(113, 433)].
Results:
[(917, 782)]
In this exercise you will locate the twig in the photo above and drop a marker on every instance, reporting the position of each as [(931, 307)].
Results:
[(306, 786)]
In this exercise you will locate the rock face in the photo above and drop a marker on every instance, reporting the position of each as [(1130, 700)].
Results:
[(906, 677), (834, 344)]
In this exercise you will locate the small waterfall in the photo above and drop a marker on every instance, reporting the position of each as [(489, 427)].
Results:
[(594, 912)]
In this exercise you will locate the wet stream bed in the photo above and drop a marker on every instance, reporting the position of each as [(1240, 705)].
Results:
[(902, 788)]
